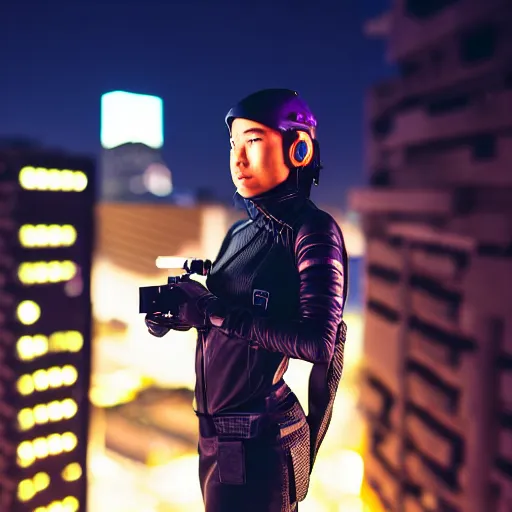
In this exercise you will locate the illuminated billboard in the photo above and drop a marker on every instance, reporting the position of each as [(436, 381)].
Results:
[(46, 242), (131, 118)]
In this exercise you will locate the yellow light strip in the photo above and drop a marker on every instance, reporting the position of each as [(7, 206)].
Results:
[(47, 235), (50, 378), (51, 412), (41, 178), (31, 347), (41, 272), (42, 447)]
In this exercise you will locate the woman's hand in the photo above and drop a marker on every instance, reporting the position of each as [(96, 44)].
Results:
[(159, 325), (193, 302)]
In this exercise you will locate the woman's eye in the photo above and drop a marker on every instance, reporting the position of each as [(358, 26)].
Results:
[(254, 140)]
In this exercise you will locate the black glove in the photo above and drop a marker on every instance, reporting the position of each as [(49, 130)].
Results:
[(159, 325), (193, 303)]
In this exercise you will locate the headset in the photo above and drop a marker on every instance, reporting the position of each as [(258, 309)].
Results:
[(302, 152)]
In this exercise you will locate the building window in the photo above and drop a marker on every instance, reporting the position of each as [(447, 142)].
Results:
[(464, 200), (484, 147), (408, 68), (479, 44), (426, 8), (381, 178), (382, 126), (410, 103), (508, 80), (448, 104)]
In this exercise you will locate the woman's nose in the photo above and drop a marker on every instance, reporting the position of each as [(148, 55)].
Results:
[(240, 156)]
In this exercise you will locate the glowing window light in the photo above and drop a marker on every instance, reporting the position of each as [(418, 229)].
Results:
[(68, 504), (54, 444), (69, 441), (25, 385), (26, 490), (41, 415), (40, 178), (66, 341), (41, 481), (40, 272), (26, 419), (131, 118), (43, 447), (71, 503), (25, 453), (40, 447), (29, 487), (42, 235), (40, 380), (55, 377), (31, 347), (69, 375), (69, 408), (72, 472), (54, 411), (28, 312)]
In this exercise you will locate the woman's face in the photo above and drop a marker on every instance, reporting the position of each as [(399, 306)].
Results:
[(256, 160)]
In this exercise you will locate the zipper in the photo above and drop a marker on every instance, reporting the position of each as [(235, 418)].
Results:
[(277, 234)]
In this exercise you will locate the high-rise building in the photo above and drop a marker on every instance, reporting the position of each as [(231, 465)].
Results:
[(438, 221), (46, 241), (132, 136)]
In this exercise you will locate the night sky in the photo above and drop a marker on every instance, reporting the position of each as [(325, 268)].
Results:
[(200, 56)]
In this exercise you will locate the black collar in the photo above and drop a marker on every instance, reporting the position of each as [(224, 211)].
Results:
[(279, 204)]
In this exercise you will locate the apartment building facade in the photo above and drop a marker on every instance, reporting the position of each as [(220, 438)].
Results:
[(437, 216)]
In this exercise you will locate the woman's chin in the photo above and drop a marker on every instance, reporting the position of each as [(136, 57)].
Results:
[(247, 192)]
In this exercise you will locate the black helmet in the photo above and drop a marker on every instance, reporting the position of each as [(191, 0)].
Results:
[(280, 109)]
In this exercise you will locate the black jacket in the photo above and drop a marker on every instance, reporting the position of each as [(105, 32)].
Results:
[(281, 283)]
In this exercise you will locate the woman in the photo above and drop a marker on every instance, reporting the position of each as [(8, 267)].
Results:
[(276, 291)]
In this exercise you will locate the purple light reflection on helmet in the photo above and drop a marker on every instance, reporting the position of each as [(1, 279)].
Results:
[(281, 109)]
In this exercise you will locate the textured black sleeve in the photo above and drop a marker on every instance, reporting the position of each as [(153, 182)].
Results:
[(319, 258)]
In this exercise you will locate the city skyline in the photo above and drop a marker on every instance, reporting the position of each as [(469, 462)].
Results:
[(63, 58)]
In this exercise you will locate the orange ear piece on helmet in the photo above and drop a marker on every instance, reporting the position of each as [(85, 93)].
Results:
[(301, 150)]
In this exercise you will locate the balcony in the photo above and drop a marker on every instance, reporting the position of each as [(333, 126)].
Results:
[(409, 35), (418, 127), (390, 449), (378, 201), (488, 228), (434, 311), (437, 358), (377, 404), (389, 93), (386, 484), (417, 232), (431, 483), (460, 167), (383, 352), (442, 266), (440, 448), (384, 292), (382, 253)]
